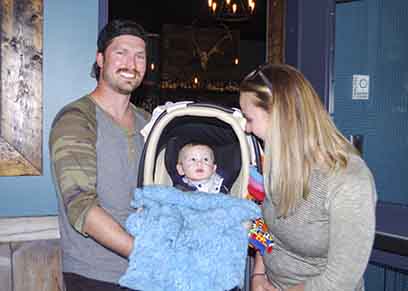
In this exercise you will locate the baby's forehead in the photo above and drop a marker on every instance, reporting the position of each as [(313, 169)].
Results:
[(198, 149)]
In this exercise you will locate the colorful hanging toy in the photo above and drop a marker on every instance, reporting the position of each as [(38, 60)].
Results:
[(259, 237)]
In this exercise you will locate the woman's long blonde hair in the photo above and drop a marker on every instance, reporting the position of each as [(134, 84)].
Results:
[(301, 134)]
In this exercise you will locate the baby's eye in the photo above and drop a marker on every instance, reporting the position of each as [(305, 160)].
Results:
[(193, 159), (206, 159)]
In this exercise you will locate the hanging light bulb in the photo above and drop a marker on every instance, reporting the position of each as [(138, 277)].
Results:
[(214, 7), (234, 8), (251, 5)]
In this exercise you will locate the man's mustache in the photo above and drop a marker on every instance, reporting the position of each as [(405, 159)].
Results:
[(130, 71)]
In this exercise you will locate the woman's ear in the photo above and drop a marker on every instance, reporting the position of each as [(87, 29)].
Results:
[(180, 170), (214, 168)]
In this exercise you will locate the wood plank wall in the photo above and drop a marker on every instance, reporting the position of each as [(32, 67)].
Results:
[(30, 254)]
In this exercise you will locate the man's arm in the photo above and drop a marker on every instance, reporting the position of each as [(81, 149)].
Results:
[(105, 230), (73, 156)]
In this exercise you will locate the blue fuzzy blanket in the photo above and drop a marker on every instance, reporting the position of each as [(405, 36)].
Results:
[(187, 240)]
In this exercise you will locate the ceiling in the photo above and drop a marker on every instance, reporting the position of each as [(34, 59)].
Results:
[(152, 14)]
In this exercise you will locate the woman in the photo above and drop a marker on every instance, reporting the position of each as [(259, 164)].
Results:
[(321, 197)]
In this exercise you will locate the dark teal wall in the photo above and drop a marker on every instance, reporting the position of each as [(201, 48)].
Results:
[(70, 33), (372, 38)]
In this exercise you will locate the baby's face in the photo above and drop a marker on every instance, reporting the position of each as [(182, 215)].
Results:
[(197, 163)]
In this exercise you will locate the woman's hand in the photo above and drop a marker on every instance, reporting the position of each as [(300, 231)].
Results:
[(261, 283), (300, 287)]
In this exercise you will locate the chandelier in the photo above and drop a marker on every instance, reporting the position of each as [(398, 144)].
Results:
[(231, 10)]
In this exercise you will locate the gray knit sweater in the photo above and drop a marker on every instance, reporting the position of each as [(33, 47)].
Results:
[(327, 242)]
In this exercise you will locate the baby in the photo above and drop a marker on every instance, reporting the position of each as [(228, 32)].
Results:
[(196, 164)]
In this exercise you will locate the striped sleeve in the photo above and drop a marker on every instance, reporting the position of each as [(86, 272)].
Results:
[(73, 158)]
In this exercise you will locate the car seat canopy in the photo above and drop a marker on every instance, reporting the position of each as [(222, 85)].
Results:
[(221, 128)]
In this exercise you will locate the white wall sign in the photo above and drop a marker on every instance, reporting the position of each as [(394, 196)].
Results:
[(361, 87)]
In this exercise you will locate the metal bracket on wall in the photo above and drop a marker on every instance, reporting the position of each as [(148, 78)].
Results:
[(357, 140), (346, 1)]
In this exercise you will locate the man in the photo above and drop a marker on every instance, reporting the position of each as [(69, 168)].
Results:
[(95, 147)]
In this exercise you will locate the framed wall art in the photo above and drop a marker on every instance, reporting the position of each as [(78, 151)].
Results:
[(21, 59)]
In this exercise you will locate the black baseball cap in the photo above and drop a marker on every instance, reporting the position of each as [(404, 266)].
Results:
[(117, 28)]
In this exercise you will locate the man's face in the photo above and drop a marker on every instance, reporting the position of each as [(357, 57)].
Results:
[(123, 64), (196, 162)]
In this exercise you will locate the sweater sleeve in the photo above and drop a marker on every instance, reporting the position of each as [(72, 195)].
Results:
[(73, 160), (351, 207)]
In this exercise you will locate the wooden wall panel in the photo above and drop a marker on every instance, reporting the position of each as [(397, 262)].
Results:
[(37, 266), (276, 31), (5, 267)]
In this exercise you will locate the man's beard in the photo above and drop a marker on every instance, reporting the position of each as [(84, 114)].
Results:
[(127, 90)]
